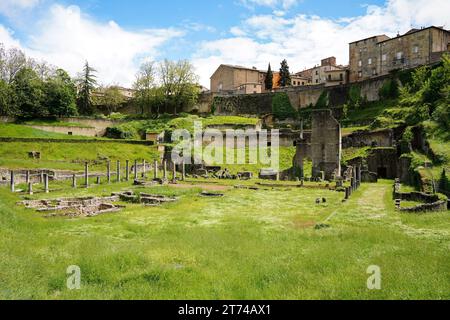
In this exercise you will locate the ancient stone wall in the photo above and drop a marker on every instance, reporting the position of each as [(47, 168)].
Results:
[(74, 131), (300, 97), (326, 144), (381, 138), (383, 161), (100, 125)]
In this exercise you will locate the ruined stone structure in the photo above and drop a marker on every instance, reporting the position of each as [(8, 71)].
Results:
[(326, 144), (324, 148)]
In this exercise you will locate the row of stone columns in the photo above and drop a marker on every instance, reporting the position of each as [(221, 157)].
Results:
[(355, 183), (44, 177)]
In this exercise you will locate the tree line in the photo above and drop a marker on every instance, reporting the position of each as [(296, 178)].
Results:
[(33, 89)]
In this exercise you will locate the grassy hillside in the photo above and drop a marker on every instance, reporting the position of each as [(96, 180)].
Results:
[(71, 155)]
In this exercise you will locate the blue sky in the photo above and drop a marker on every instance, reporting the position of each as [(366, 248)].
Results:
[(116, 36)]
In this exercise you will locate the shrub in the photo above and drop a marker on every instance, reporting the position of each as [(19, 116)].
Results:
[(323, 101), (389, 90), (282, 107)]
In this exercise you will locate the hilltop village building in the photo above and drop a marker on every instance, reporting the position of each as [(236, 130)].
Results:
[(327, 73), (380, 55), (241, 80), (369, 58)]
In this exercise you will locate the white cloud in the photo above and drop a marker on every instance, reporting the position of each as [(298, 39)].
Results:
[(67, 38), (304, 40), (13, 7), (285, 4), (7, 38)]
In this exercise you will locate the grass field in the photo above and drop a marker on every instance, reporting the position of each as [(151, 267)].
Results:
[(247, 245), (71, 156)]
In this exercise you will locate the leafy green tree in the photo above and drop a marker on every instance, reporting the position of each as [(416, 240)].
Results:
[(147, 95), (269, 79), (86, 84), (29, 93), (60, 95), (285, 75), (111, 99), (7, 105), (179, 84)]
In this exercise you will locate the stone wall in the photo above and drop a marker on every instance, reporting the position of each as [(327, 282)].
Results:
[(74, 131), (100, 125), (383, 162), (381, 138), (300, 97)]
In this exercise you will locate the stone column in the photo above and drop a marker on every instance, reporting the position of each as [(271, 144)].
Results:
[(108, 171), (165, 169), (86, 175), (183, 171), (135, 170), (347, 193), (127, 170), (74, 181), (41, 177), (156, 169), (46, 189), (118, 170), (98, 180), (27, 177), (359, 175), (144, 172), (30, 188), (174, 172), (13, 187)]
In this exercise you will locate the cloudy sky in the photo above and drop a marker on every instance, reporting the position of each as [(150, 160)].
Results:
[(116, 36)]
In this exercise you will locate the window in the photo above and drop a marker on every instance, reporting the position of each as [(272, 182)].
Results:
[(341, 76), (360, 74), (369, 61), (317, 72), (303, 83), (254, 86), (399, 55), (384, 57), (329, 77), (317, 80), (360, 63), (416, 49), (374, 72)]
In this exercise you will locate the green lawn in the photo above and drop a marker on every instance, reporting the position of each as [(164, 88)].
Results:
[(247, 245), (71, 156)]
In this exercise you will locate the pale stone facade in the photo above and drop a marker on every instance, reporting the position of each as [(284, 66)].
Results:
[(380, 55), (228, 78)]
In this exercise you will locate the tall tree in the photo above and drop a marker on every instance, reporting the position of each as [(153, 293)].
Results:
[(7, 106), (11, 62), (60, 94), (111, 99), (269, 79), (29, 93), (146, 91), (285, 75), (179, 84), (86, 84)]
